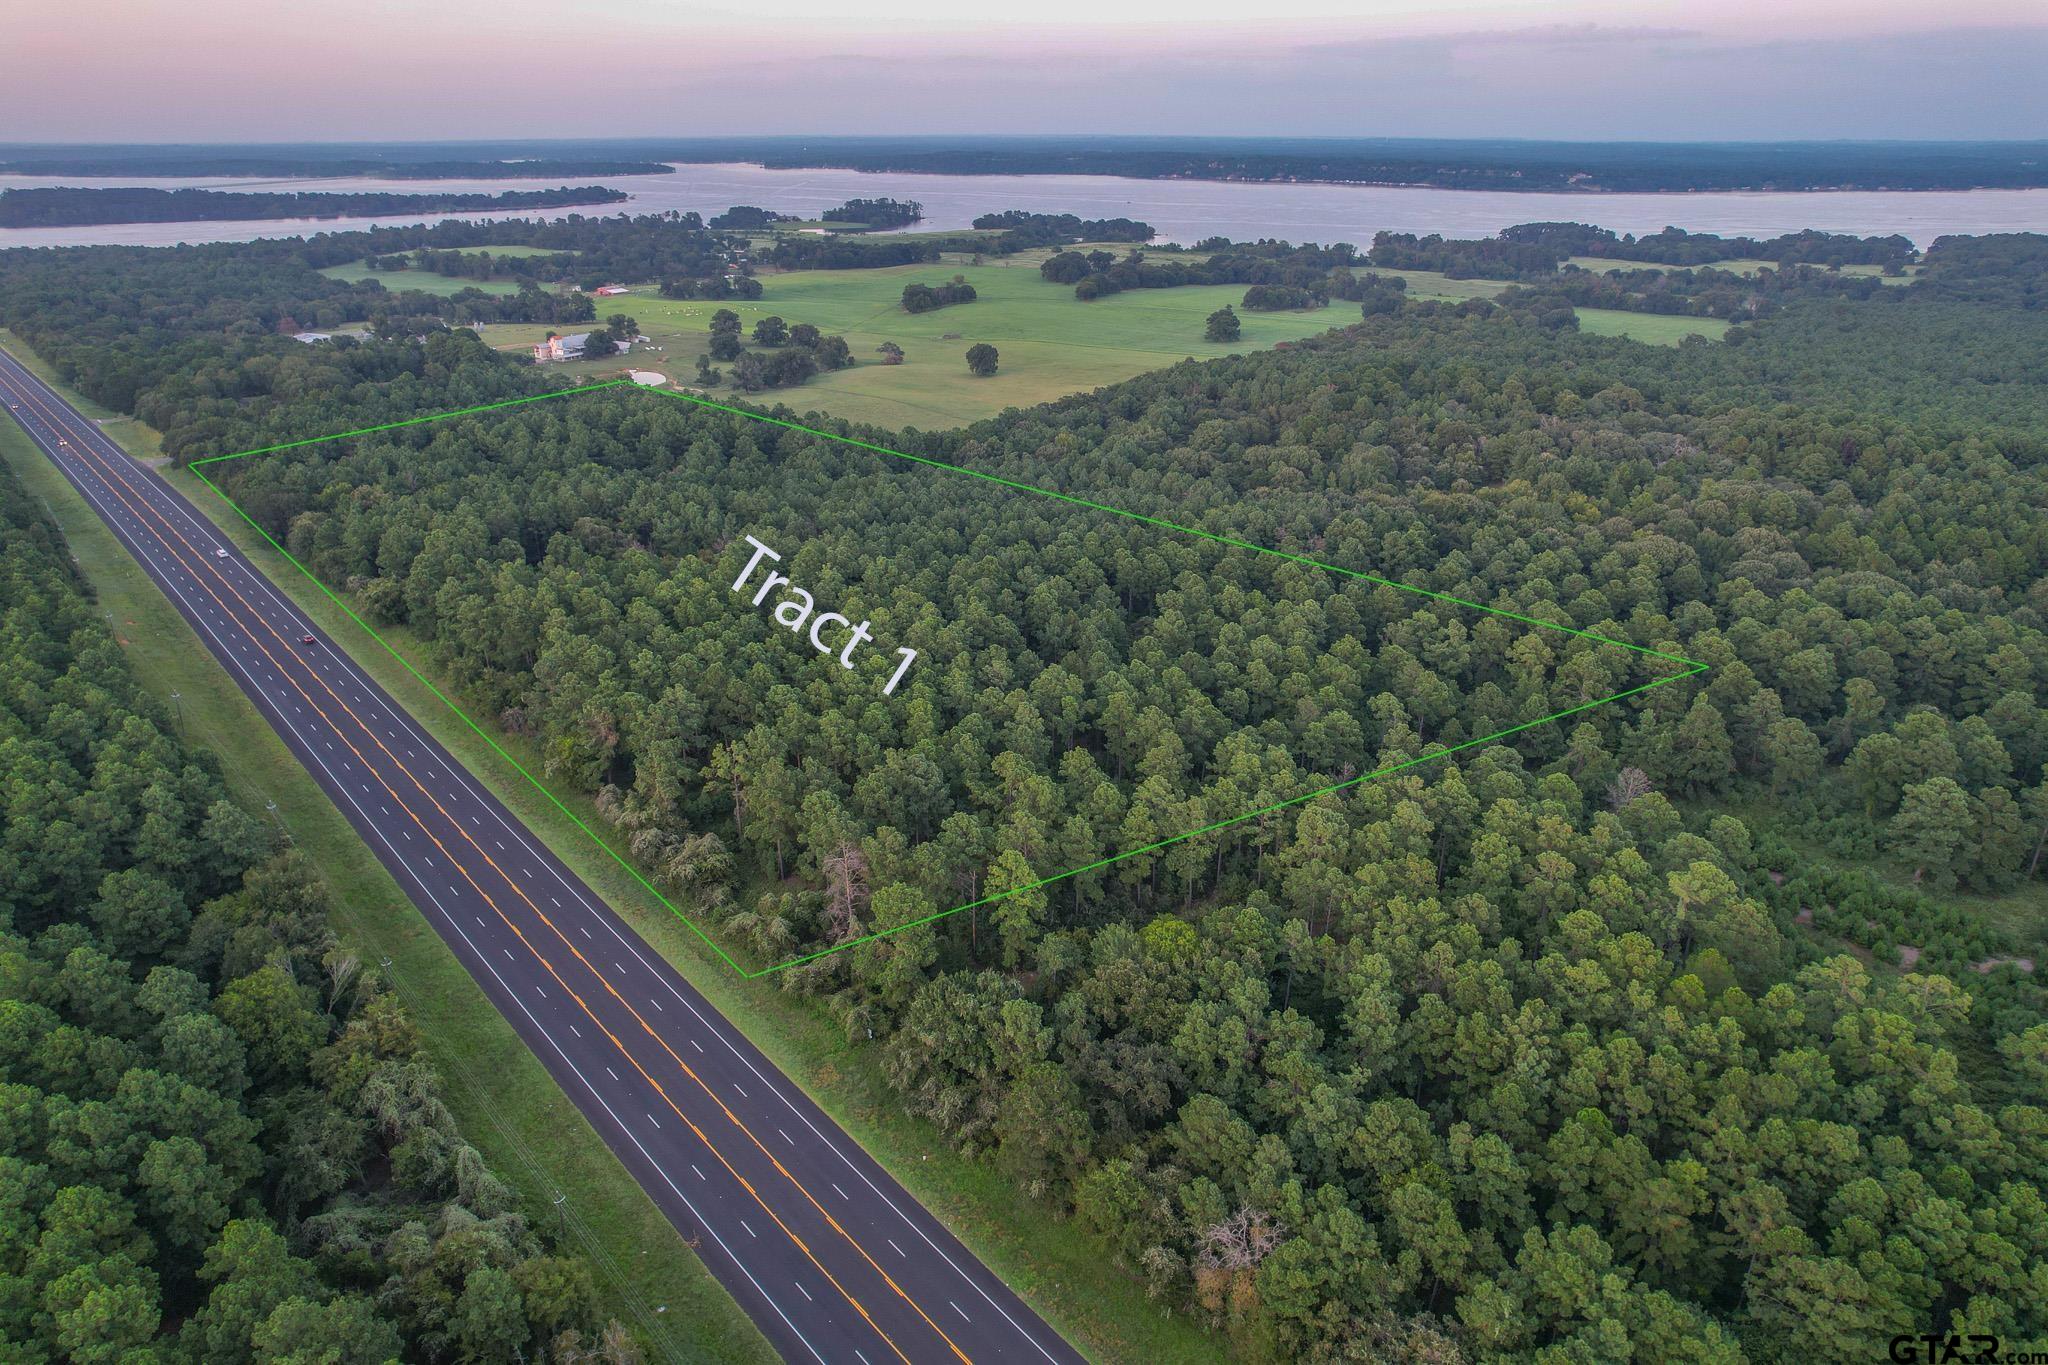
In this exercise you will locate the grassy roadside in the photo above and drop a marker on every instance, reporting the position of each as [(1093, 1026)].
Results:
[(1064, 1273), (525, 1127)]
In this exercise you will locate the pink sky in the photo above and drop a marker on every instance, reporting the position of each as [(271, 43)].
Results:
[(243, 70)]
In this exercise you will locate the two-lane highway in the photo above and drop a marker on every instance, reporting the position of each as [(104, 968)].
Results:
[(827, 1253)]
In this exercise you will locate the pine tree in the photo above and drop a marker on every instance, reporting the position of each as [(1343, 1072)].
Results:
[(1929, 830)]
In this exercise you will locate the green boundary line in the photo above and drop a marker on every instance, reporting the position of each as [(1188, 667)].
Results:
[(1692, 667)]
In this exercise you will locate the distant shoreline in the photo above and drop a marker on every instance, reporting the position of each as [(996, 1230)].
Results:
[(78, 207), (1484, 164), (1589, 191)]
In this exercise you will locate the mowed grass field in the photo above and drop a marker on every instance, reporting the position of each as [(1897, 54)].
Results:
[(1051, 344), (432, 282), (1654, 328), (426, 281)]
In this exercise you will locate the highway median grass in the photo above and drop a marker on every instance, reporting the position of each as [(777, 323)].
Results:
[(507, 1104)]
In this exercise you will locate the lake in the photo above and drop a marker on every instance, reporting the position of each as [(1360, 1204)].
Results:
[(1184, 211)]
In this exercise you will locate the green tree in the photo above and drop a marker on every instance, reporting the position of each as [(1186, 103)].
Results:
[(185, 1195), (1701, 757), (1019, 917), (341, 1331), (489, 1321), (272, 1016), (981, 359), (1792, 754), (251, 1272), (1043, 1129), (1222, 325), (1931, 829)]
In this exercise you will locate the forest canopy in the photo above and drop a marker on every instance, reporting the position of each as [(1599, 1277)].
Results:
[(223, 1139), (1678, 1029)]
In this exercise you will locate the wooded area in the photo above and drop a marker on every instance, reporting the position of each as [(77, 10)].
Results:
[(1653, 1035), (219, 1137)]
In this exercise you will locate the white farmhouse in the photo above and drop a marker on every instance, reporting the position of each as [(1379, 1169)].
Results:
[(561, 348)]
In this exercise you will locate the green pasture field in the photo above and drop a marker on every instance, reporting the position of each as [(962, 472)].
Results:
[(517, 252), (1434, 284), (1051, 343), (426, 281), (1655, 328), (1613, 265)]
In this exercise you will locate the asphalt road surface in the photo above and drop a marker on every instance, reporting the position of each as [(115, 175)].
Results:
[(827, 1253)]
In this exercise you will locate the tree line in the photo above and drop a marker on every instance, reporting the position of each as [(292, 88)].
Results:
[(588, 252), (1533, 250), (1704, 292), (270, 163), (1676, 246), (1308, 273), (68, 206), (785, 356), (923, 298)]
